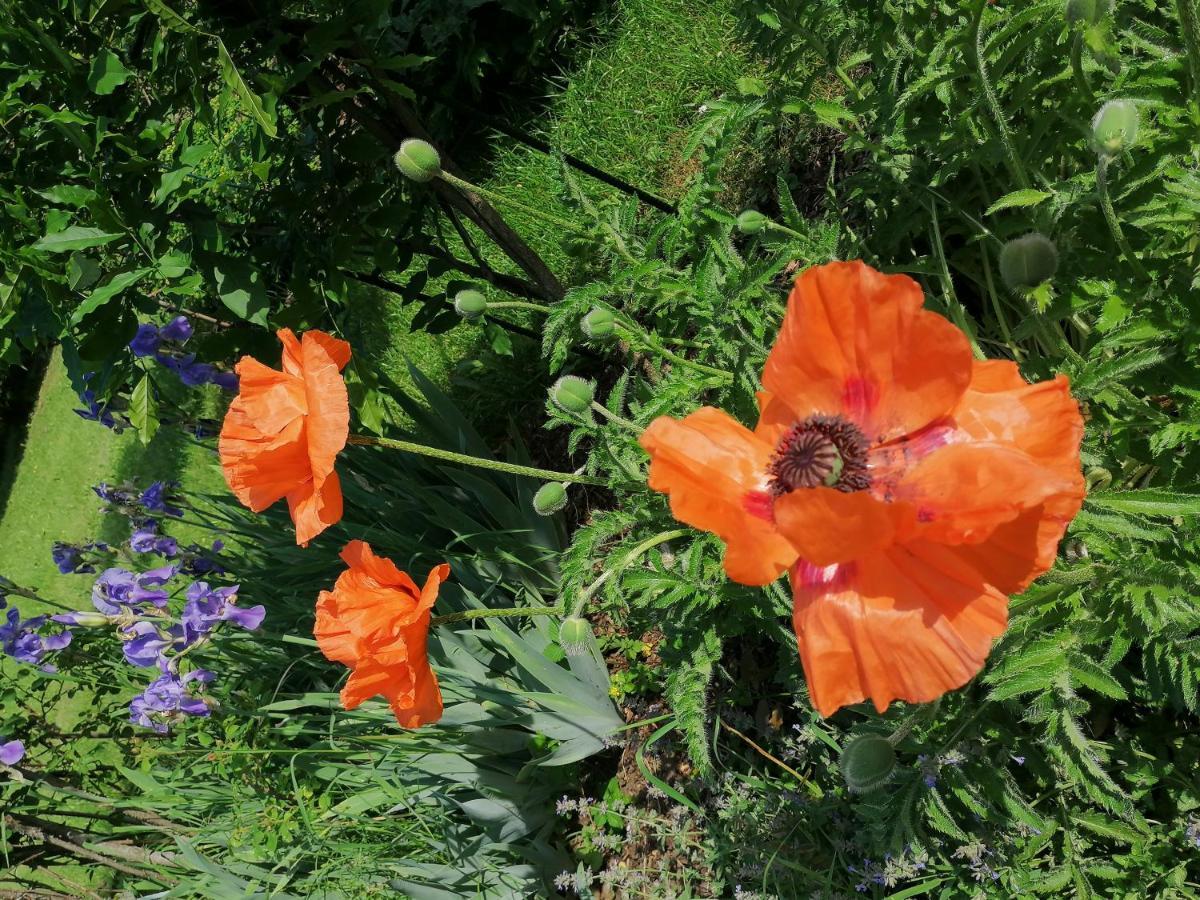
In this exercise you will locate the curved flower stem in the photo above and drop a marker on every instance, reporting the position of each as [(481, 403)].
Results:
[(612, 416), (468, 614), (501, 200), (1110, 216), (636, 335), (367, 440), (1189, 19), (624, 561), (993, 102), (517, 304), (1081, 78), (772, 225)]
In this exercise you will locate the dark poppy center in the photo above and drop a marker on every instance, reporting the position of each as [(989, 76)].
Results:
[(820, 451)]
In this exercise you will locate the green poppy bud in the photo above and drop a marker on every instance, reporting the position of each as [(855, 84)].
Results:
[(470, 304), (550, 498), (573, 394), (416, 159), (1027, 261), (1115, 127), (599, 323), (1098, 479), (574, 636), (751, 222), (1088, 12), (867, 762)]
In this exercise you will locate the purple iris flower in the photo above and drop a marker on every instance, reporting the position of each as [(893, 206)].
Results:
[(95, 411), (117, 588), (178, 330), (11, 752), (147, 644), (146, 341), (20, 640), (154, 499), (226, 381), (167, 699), (117, 496), (146, 539), (68, 558), (196, 562), (207, 606)]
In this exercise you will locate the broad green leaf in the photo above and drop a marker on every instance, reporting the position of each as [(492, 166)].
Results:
[(170, 18), (143, 411), (1024, 197), (1148, 502), (241, 288), (107, 73), (68, 195), (170, 182), (75, 238), (82, 272), (250, 101), (106, 292)]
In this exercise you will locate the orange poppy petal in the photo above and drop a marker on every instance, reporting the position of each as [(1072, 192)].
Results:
[(359, 556), (775, 418), (433, 584), (909, 623), (328, 403), (370, 679), (267, 400), (963, 492), (262, 470), (1042, 419), (828, 526), (314, 509), (292, 361), (424, 708), (715, 471), (856, 342), (334, 639)]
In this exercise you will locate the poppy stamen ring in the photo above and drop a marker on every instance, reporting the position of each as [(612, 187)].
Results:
[(821, 451)]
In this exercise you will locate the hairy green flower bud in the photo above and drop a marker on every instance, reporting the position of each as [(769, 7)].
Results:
[(1027, 261), (1088, 12), (470, 304), (573, 394), (574, 636), (416, 159), (1115, 127), (867, 762), (599, 323), (550, 498), (751, 222)]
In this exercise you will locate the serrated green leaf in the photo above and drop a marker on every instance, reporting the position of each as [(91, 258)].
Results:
[(143, 410), (1021, 198), (170, 18), (1148, 502)]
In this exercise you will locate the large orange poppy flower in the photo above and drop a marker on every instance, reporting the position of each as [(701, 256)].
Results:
[(376, 622), (284, 431), (908, 488)]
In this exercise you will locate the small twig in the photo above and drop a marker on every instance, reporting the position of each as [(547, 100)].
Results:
[(816, 792)]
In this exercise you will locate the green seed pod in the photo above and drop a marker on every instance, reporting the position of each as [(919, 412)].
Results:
[(416, 159), (550, 498), (867, 763), (574, 636), (1097, 479), (599, 323), (89, 619), (751, 222), (470, 304), (1088, 12), (573, 394), (1027, 261), (1115, 127)]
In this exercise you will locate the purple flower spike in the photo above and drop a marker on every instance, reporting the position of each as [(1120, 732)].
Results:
[(167, 700), (206, 607), (22, 641), (226, 381), (178, 330), (12, 752), (154, 499), (146, 341), (95, 411), (147, 646)]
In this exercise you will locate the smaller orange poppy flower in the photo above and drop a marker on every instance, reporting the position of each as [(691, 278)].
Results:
[(284, 430), (376, 622)]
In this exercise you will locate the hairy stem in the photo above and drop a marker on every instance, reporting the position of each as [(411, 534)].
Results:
[(993, 101), (501, 200), (367, 440), (637, 335), (624, 561), (1110, 216)]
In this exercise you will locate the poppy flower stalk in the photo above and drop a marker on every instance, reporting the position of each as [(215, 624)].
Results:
[(908, 488)]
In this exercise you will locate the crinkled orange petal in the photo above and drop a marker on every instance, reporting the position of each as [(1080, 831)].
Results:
[(856, 342), (328, 402), (363, 561), (262, 469), (962, 492), (908, 623), (314, 506), (775, 419), (828, 526), (715, 471), (1042, 419)]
